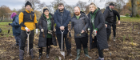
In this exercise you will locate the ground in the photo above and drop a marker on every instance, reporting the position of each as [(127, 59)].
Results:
[(126, 46)]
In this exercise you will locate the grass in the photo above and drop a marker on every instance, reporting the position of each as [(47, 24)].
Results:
[(130, 19)]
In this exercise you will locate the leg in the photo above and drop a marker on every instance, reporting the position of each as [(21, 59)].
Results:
[(31, 37), (17, 40), (84, 41), (40, 52), (48, 47), (22, 44), (68, 45), (78, 46), (101, 56), (108, 31)]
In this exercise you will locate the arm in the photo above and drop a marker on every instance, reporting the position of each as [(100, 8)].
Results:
[(55, 20), (118, 15), (68, 19), (21, 19), (15, 23), (105, 14), (102, 21), (86, 23), (35, 21)]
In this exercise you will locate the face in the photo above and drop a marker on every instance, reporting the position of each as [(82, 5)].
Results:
[(92, 8), (60, 7), (46, 12), (112, 7), (76, 11), (28, 7)]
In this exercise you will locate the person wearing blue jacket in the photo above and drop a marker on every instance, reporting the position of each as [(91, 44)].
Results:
[(62, 18), (16, 28)]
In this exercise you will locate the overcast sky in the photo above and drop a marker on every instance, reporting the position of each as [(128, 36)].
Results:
[(17, 4)]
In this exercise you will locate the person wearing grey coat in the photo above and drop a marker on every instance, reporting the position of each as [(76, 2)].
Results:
[(98, 36), (80, 24)]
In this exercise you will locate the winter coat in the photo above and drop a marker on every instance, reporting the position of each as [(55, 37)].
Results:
[(42, 24), (80, 24), (99, 23), (15, 26), (62, 19)]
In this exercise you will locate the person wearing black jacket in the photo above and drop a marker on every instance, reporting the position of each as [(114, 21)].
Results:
[(80, 24), (116, 14), (45, 24), (98, 35), (109, 18)]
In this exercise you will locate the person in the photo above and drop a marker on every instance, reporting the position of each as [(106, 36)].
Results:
[(45, 24), (16, 28), (62, 18), (109, 17), (97, 28), (116, 14), (28, 22), (80, 24)]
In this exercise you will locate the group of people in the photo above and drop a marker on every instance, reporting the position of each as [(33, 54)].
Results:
[(98, 22)]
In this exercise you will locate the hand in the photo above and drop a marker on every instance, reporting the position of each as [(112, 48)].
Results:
[(42, 30), (95, 32), (27, 29), (119, 22), (36, 31), (62, 27), (82, 31), (9, 23), (106, 25)]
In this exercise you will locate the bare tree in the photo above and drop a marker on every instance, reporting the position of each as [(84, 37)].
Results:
[(56, 2), (81, 5), (134, 7), (34, 3)]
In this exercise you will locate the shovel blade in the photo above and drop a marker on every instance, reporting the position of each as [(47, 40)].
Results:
[(62, 53)]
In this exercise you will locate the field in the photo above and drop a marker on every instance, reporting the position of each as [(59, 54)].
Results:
[(126, 46)]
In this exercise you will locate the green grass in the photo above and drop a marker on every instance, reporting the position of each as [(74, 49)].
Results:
[(129, 19), (4, 26)]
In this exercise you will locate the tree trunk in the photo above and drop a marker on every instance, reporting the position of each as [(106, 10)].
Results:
[(134, 7)]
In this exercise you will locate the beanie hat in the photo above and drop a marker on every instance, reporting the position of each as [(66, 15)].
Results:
[(111, 4), (28, 3), (13, 15)]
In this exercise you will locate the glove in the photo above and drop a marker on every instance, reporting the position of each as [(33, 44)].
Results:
[(50, 32), (36, 31), (42, 30), (27, 29), (9, 23), (95, 32)]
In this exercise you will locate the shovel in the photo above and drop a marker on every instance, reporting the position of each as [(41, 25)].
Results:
[(28, 34), (62, 52)]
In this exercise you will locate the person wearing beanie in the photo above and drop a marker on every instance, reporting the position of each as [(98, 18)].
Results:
[(45, 25), (28, 22), (16, 28), (109, 18)]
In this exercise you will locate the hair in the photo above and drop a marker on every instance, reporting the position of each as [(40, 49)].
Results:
[(77, 7), (44, 8), (60, 4), (93, 5)]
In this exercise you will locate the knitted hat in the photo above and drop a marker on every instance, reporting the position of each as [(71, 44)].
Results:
[(13, 15), (28, 3), (44, 9), (111, 4)]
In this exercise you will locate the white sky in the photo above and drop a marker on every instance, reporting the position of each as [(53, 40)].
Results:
[(17, 4)]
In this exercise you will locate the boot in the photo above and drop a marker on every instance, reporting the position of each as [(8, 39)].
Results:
[(40, 53), (31, 53), (114, 39), (48, 51), (100, 58), (78, 54), (21, 54), (69, 52), (86, 52)]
